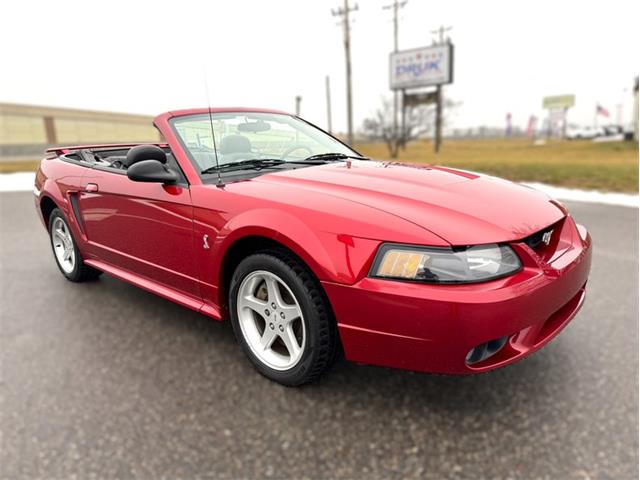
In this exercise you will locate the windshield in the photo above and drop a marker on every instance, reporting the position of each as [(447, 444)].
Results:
[(241, 136)]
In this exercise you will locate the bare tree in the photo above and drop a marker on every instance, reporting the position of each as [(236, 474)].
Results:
[(418, 122)]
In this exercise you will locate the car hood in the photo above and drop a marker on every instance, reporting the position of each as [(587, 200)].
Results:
[(461, 207)]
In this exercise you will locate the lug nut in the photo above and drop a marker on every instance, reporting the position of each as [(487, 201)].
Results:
[(267, 313), (282, 315), (271, 326), (281, 328), (273, 305)]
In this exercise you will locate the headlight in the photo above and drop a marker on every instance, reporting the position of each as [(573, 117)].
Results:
[(443, 265)]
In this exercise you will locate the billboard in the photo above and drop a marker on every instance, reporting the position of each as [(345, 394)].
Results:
[(559, 101), (421, 67)]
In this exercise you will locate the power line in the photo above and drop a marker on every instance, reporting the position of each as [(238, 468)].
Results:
[(343, 12), (396, 6), (440, 32)]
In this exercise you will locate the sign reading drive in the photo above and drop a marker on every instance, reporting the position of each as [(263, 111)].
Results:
[(421, 67)]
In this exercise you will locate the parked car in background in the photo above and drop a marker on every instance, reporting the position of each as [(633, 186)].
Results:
[(309, 249), (603, 132), (575, 132), (611, 130), (611, 133)]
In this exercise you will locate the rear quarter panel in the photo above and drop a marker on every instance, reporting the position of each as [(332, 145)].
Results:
[(56, 179)]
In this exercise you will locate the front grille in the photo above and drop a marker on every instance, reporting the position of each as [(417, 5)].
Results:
[(537, 240), (548, 242)]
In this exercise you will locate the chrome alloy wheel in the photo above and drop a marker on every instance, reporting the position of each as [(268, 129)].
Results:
[(271, 320), (63, 245)]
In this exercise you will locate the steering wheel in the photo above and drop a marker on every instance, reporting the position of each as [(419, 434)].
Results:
[(293, 148)]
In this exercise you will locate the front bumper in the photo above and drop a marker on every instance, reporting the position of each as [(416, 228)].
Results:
[(432, 328)]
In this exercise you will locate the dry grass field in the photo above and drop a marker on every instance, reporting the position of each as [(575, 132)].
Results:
[(18, 166), (606, 166)]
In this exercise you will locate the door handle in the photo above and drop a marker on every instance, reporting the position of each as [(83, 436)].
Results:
[(91, 187)]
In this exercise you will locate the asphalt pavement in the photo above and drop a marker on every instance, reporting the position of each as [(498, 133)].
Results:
[(104, 380)]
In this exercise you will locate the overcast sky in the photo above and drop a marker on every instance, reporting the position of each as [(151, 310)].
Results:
[(149, 57)]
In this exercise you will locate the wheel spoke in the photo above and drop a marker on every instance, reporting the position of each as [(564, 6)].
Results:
[(273, 291), (267, 338), (254, 304), (291, 312), (290, 341)]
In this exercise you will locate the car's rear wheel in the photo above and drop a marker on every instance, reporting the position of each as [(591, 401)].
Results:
[(282, 318), (65, 250)]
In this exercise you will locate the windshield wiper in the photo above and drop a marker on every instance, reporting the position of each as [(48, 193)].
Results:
[(260, 163), (256, 163), (333, 156)]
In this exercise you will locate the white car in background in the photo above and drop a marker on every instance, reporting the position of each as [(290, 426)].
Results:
[(577, 133)]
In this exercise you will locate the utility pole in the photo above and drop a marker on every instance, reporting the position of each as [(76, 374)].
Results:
[(298, 101), (344, 13), (635, 108), (327, 85), (438, 134), (396, 5)]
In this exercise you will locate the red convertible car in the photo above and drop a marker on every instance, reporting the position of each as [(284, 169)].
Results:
[(310, 249)]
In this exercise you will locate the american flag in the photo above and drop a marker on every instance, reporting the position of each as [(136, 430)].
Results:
[(600, 110)]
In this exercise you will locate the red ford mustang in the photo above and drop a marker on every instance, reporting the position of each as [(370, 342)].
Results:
[(308, 248)]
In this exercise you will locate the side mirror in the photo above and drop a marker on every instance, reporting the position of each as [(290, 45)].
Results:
[(151, 171)]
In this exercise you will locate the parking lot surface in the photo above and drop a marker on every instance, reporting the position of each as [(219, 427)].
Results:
[(104, 380)]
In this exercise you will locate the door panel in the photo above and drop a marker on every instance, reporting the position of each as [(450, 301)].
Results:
[(146, 228)]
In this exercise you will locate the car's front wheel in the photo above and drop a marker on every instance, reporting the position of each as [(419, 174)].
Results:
[(282, 318), (66, 252)]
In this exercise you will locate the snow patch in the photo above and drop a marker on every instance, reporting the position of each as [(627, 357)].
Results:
[(17, 182), (589, 196)]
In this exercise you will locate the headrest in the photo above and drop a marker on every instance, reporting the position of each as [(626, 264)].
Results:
[(234, 144), (145, 152)]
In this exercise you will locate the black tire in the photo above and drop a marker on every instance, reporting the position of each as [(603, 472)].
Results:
[(322, 342), (81, 272)]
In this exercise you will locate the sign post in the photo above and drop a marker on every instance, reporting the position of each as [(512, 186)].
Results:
[(418, 68)]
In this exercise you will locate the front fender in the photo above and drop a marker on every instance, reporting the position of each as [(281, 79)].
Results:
[(332, 257), (291, 232)]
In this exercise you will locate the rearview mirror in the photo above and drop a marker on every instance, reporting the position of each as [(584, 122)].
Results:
[(254, 127), (151, 171)]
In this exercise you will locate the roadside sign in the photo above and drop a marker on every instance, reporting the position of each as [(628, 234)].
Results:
[(421, 67), (559, 101), (415, 99)]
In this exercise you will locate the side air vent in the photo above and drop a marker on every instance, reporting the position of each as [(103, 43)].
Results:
[(76, 211)]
